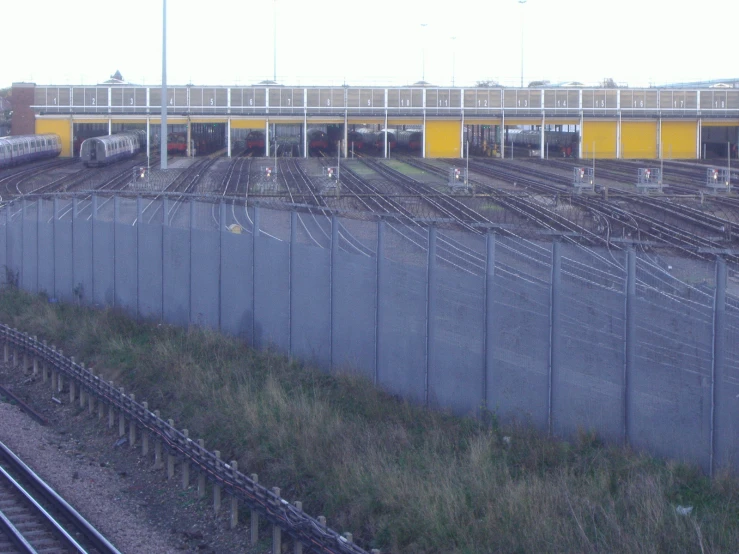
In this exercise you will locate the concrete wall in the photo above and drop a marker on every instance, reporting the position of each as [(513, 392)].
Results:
[(555, 335)]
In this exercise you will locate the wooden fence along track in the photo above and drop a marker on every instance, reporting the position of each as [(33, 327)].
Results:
[(309, 535)]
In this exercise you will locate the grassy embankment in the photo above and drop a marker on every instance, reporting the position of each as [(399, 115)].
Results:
[(400, 478)]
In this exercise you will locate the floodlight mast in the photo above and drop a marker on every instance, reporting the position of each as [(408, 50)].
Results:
[(163, 132)]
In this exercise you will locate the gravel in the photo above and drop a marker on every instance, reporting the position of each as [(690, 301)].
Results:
[(116, 489)]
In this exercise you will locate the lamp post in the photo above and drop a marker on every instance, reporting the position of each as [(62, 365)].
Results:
[(453, 58), (163, 132), (274, 40), (522, 2), (423, 52)]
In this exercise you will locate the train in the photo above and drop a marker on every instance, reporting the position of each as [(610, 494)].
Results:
[(177, 143), (411, 140), (564, 142), (255, 140), (366, 139), (99, 151), (26, 148), (317, 141)]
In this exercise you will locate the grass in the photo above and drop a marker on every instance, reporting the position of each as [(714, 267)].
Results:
[(400, 478)]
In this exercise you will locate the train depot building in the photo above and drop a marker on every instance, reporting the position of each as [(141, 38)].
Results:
[(653, 123)]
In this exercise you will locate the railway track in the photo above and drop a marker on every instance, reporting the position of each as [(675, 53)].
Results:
[(33, 518)]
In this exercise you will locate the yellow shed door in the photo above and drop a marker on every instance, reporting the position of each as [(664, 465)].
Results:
[(443, 139), (599, 136), (639, 139)]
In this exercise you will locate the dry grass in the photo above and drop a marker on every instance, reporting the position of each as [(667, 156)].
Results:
[(400, 478)]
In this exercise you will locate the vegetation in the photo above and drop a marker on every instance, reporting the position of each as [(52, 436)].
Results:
[(399, 477)]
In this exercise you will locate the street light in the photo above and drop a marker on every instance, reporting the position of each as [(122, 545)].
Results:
[(453, 58), (522, 2), (423, 52), (274, 40)]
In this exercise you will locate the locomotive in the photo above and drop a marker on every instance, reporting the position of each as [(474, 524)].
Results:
[(317, 140), (255, 140), (98, 151), (410, 140), (25, 148)]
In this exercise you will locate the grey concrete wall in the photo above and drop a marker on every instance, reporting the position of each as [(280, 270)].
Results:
[(456, 375), (237, 285), (310, 296), (271, 293), (355, 291), (63, 264), (150, 257), (126, 267), (588, 385), (82, 258), (103, 263), (29, 254), (176, 275), (528, 341), (402, 331), (205, 273), (518, 376)]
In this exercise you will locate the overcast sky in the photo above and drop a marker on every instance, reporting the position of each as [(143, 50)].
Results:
[(380, 42)]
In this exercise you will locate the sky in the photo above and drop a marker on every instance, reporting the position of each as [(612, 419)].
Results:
[(382, 42)]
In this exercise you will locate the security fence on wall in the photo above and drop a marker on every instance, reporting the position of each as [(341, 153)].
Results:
[(559, 335)]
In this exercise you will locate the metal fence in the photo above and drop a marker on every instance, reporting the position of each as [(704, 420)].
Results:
[(639, 348)]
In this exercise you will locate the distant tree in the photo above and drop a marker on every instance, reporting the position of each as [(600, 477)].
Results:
[(538, 83), (609, 83), (490, 84)]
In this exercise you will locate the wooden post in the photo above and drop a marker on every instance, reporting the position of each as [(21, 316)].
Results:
[(157, 447), (185, 466), (72, 392), (170, 457), (145, 433), (35, 359), (122, 417), (132, 426), (59, 376), (276, 530), (201, 475), (82, 389), (254, 518), (234, 500), (44, 372), (111, 411), (349, 538), (90, 396), (298, 548), (217, 488)]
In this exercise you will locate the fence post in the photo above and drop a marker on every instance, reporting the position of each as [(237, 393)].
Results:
[(201, 474), (217, 487), (132, 425), (430, 310), (254, 518), (554, 330), (90, 396), (170, 456), (186, 466), (122, 416), (72, 392), (630, 338), (157, 447), (111, 410), (276, 531), (144, 432), (489, 307), (234, 500), (298, 548), (35, 358), (82, 388), (718, 373)]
